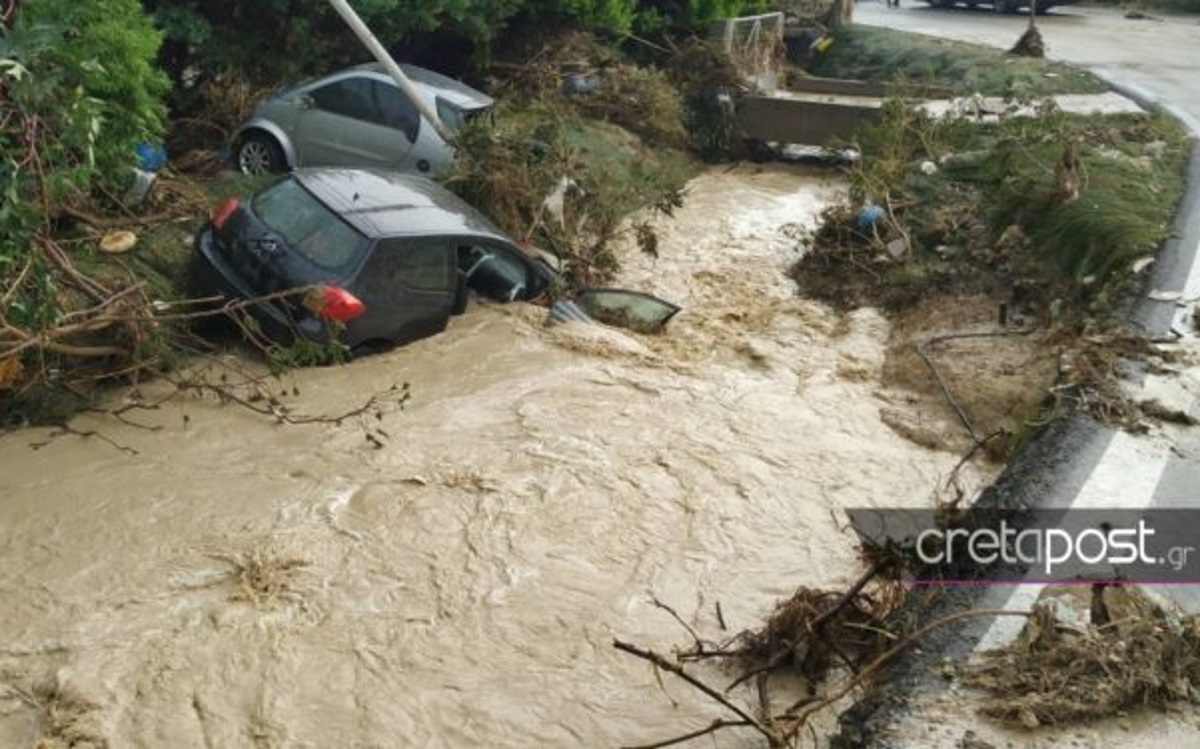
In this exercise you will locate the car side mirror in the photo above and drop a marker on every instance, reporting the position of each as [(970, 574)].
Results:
[(305, 101)]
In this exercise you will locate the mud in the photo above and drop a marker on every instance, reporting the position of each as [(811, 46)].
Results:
[(1001, 377), (238, 583)]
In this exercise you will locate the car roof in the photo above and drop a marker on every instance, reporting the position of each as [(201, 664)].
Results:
[(382, 203), (455, 92)]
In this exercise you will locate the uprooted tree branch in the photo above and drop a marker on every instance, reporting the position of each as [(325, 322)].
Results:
[(811, 629)]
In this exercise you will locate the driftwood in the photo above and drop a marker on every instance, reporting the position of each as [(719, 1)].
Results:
[(786, 728)]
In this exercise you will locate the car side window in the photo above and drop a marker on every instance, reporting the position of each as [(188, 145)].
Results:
[(426, 265), (349, 97), (418, 264), (397, 110)]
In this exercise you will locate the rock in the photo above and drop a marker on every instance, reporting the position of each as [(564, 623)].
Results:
[(1028, 719), (970, 741), (1158, 295), (1012, 238), (1142, 263), (116, 242)]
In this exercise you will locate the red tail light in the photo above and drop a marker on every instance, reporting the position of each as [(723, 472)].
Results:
[(223, 211), (338, 304)]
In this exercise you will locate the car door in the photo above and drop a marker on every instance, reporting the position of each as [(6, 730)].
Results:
[(501, 272), (353, 121), (408, 288)]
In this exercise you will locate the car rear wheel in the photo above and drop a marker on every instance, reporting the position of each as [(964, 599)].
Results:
[(258, 153)]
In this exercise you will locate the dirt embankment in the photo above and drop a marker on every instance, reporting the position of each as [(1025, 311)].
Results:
[(1006, 253)]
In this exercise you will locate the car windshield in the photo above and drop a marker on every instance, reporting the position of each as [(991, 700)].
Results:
[(309, 227), (627, 309)]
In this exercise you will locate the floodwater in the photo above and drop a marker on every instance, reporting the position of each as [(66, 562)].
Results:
[(224, 581)]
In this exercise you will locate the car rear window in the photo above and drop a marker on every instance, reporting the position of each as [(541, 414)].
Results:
[(309, 227)]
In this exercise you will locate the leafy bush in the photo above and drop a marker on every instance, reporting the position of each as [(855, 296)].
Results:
[(78, 90), (276, 40), (512, 164), (86, 73)]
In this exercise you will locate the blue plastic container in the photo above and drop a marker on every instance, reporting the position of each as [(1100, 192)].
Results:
[(869, 215), (151, 157)]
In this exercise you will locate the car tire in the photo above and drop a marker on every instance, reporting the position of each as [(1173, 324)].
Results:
[(259, 153)]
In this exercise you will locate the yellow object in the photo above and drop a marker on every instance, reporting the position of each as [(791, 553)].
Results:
[(10, 370), (823, 44), (118, 241)]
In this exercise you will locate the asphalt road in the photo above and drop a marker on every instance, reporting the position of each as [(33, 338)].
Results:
[(1162, 57)]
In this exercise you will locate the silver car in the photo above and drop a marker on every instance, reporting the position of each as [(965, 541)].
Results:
[(356, 117)]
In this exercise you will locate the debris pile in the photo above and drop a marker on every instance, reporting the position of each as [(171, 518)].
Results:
[(815, 630), (1131, 654), (1030, 44)]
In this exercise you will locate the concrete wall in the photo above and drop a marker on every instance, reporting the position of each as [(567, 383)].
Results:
[(813, 123)]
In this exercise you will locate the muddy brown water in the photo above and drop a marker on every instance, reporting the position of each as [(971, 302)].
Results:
[(238, 583)]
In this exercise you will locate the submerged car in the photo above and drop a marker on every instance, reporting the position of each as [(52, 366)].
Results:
[(388, 257), (357, 117), (372, 259)]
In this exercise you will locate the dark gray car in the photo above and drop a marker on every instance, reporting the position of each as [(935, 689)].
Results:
[(388, 257), (356, 117)]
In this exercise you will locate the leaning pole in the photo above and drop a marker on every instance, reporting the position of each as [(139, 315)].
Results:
[(369, 40)]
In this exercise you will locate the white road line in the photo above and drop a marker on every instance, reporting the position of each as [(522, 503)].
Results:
[(1126, 476)]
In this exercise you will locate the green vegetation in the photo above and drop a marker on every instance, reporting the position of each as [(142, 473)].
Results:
[(273, 40), (609, 152), (78, 90), (1058, 204), (883, 55), (1130, 177)]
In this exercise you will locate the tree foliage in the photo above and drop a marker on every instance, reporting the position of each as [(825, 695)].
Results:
[(274, 40), (78, 90)]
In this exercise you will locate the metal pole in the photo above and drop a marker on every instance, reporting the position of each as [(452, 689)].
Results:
[(368, 39)]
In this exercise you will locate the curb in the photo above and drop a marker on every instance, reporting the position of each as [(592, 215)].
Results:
[(1045, 468), (1177, 258)]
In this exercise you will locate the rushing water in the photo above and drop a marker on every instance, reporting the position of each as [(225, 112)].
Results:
[(461, 586)]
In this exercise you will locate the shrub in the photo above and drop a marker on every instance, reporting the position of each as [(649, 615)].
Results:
[(78, 90)]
